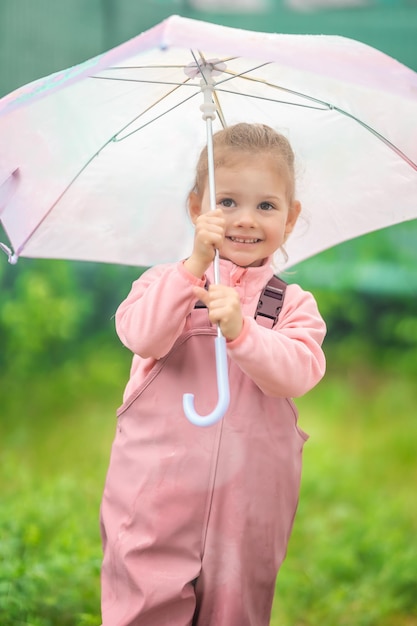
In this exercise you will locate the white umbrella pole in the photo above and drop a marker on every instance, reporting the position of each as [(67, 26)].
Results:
[(209, 114)]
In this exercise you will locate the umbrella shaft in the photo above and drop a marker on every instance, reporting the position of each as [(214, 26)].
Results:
[(212, 188)]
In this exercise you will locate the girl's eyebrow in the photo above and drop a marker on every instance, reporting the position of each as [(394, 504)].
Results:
[(220, 192), (269, 197)]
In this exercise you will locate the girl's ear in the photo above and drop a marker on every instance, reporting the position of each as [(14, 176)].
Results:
[(292, 218), (194, 206)]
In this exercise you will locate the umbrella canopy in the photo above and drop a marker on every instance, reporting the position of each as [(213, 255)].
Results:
[(96, 161)]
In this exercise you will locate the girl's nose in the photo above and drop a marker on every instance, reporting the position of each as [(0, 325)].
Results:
[(246, 216)]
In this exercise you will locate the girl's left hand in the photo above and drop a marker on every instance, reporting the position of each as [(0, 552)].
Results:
[(224, 308)]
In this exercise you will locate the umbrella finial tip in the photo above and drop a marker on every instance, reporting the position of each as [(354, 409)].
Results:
[(12, 257)]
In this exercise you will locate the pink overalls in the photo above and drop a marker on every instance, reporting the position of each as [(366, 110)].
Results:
[(196, 521)]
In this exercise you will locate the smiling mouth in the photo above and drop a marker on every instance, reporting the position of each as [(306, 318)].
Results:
[(243, 240)]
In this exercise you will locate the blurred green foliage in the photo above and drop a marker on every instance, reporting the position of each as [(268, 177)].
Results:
[(50, 310), (40, 312)]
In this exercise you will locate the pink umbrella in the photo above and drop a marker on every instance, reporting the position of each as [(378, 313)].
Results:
[(96, 161)]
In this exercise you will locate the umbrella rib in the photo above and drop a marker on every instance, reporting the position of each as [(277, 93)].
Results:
[(219, 109), (378, 135), (147, 82), (325, 106)]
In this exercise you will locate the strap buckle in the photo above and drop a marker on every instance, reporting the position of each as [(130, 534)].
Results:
[(270, 303)]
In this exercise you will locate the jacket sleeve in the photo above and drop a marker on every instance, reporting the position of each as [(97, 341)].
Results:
[(153, 315), (287, 360)]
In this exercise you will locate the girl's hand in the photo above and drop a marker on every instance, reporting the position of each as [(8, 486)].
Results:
[(209, 235), (224, 308)]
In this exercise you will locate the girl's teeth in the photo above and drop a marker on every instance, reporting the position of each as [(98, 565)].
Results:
[(243, 240)]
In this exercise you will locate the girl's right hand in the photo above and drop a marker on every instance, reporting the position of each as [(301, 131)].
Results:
[(208, 236)]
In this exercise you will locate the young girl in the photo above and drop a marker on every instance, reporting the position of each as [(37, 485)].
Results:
[(196, 520)]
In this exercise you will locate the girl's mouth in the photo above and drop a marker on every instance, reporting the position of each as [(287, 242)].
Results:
[(243, 240)]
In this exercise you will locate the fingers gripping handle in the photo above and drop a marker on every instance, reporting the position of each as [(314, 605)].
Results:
[(222, 387)]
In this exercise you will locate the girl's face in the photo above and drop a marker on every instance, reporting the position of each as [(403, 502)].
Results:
[(254, 198)]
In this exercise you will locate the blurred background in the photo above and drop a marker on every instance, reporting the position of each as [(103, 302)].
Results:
[(353, 555)]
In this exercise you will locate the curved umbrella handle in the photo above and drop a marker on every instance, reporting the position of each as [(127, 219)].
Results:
[(222, 386)]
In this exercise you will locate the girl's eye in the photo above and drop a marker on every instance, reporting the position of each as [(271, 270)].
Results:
[(266, 206), (227, 202)]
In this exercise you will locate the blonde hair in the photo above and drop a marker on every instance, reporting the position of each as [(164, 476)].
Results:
[(249, 138)]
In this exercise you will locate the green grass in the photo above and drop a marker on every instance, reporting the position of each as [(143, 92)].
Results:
[(353, 554)]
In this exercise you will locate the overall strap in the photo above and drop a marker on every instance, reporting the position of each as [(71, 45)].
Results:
[(270, 302)]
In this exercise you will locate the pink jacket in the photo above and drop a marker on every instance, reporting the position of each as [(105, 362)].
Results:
[(284, 362)]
